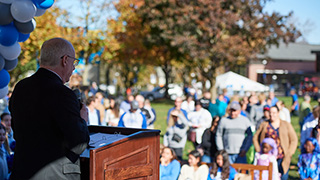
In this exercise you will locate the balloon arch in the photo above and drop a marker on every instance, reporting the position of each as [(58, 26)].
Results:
[(16, 23)]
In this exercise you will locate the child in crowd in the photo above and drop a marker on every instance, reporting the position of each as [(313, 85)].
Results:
[(3, 154), (268, 154), (169, 166), (194, 170), (221, 168), (309, 160)]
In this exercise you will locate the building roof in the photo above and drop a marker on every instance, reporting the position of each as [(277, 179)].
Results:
[(292, 52)]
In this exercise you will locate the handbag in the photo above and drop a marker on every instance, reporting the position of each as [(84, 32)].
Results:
[(192, 136), (176, 137)]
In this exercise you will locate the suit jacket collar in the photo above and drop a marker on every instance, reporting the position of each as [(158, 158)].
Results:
[(43, 72)]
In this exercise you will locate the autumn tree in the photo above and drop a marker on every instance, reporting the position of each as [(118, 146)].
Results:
[(211, 34), (126, 35)]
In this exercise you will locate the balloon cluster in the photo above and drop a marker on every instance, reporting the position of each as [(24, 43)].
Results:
[(16, 24)]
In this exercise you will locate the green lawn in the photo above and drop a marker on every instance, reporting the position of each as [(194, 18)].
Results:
[(163, 106)]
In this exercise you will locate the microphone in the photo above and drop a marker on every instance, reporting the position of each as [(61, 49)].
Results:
[(79, 97)]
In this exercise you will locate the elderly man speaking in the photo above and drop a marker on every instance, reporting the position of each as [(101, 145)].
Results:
[(49, 126)]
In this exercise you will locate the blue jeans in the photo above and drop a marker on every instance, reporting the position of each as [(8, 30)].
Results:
[(206, 159), (235, 158), (283, 176)]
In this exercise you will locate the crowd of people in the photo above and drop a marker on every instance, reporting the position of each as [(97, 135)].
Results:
[(256, 129)]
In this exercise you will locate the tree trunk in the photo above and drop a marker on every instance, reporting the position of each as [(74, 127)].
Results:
[(166, 69)]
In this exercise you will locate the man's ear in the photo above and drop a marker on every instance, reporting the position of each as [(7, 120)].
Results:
[(64, 61)]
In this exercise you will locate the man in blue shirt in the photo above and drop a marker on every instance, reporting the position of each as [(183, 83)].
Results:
[(295, 103), (133, 118), (177, 105)]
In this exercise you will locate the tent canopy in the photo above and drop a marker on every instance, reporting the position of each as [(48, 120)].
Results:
[(238, 82)]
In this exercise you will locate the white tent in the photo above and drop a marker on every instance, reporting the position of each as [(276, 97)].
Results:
[(237, 82)]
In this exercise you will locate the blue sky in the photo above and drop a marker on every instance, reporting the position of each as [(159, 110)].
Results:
[(306, 14)]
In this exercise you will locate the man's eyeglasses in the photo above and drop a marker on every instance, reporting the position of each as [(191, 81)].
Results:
[(75, 62)]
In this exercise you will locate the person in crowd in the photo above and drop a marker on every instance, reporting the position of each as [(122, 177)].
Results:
[(309, 160), (169, 166), (253, 100), (133, 118), (225, 95), (295, 103), (93, 112), (284, 112), (176, 135), (221, 168), (310, 122), (272, 98), (219, 107), (114, 113), (199, 120), (316, 131), (177, 106), (243, 105), (125, 105), (265, 117), (148, 114), (305, 109), (206, 100), (284, 135), (93, 89), (4, 173), (234, 134), (256, 112), (268, 154), (51, 116), (188, 104), (6, 121), (100, 104), (208, 143), (152, 111), (194, 169)]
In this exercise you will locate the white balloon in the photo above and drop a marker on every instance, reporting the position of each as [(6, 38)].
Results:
[(23, 10), (10, 52), (40, 12), (6, 1), (3, 92)]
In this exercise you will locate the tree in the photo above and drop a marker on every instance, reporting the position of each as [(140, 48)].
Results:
[(212, 34), (126, 35)]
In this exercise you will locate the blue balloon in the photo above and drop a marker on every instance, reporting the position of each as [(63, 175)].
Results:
[(43, 4), (8, 35), (23, 37), (5, 78)]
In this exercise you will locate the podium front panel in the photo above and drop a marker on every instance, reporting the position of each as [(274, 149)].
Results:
[(135, 155)]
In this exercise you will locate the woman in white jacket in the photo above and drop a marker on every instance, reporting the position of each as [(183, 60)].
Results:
[(199, 121)]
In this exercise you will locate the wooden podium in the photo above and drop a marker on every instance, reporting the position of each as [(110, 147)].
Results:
[(121, 153)]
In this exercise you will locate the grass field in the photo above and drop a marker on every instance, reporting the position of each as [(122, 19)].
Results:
[(162, 107)]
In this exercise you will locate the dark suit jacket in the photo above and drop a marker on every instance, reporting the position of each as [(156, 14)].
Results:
[(46, 122)]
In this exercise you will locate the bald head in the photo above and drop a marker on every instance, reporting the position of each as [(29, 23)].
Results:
[(53, 49)]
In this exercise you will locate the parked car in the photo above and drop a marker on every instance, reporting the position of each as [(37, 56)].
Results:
[(158, 92)]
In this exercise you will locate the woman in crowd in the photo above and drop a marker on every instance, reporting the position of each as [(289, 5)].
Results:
[(194, 170), (169, 166), (3, 153), (284, 135), (113, 114), (208, 143), (188, 104), (221, 168), (309, 160), (176, 135)]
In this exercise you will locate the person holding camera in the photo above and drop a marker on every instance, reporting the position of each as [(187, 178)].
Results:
[(176, 135)]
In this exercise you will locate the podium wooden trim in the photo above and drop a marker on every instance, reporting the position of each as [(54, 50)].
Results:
[(135, 156)]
